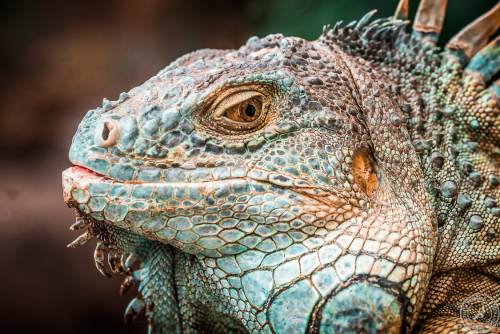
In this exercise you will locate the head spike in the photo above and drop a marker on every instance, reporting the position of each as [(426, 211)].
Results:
[(365, 19), (429, 19), (402, 10), (486, 63), (476, 35)]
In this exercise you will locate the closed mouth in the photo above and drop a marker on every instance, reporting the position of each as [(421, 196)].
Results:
[(237, 179), (82, 178), (80, 175)]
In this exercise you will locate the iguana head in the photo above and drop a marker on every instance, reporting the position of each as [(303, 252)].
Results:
[(287, 164)]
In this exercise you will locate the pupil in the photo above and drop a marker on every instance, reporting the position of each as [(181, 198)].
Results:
[(250, 110)]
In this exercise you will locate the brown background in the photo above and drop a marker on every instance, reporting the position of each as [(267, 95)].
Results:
[(60, 58)]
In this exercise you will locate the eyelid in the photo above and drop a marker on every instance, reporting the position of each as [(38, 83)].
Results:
[(233, 100)]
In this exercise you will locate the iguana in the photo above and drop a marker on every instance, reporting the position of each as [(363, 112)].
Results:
[(348, 184)]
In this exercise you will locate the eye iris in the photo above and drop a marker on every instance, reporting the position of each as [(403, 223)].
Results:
[(250, 110)]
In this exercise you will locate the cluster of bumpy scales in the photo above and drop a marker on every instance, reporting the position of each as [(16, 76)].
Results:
[(345, 184)]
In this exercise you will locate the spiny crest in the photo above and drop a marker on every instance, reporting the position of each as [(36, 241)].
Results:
[(369, 40), (470, 59), (383, 39)]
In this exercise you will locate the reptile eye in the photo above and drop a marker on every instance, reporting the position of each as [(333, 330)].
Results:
[(247, 111), (240, 110)]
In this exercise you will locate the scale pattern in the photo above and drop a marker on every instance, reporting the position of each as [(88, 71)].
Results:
[(347, 184)]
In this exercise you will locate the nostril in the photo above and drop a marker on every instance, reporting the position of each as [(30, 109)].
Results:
[(109, 134), (105, 131)]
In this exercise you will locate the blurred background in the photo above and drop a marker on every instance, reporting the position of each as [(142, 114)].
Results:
[(59, 59)]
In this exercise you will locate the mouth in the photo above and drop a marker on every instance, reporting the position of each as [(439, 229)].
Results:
[(80, 177), (153, 209)]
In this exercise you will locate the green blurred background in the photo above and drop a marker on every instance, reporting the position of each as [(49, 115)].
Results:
[(59, 59)]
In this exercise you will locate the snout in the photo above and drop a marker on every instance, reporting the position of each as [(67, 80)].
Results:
[(362, 308)]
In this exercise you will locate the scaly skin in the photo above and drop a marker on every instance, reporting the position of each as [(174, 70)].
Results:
[(357, 194)]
